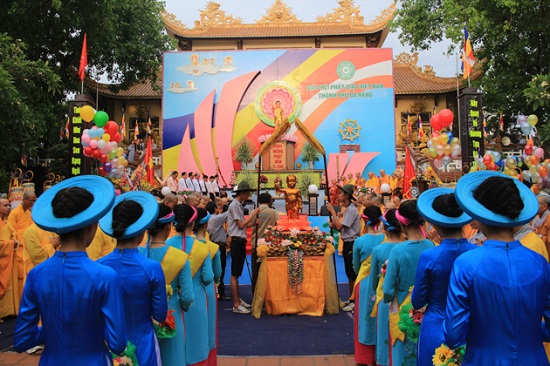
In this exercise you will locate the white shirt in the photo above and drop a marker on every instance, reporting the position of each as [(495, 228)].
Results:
[(202, 185), (189, 184), (196, 185), (181, 185), (215, 186), (209, 187)]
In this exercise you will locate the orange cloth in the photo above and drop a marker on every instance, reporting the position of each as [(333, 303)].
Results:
[(279, 298), (373, 183), (535, 243), (20, 220), (38, 244), (544, 232), (101, 245), (11, 277), (386, 179)]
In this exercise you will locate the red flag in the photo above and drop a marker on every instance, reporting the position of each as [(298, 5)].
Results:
[(409, 125), (136, 131), (501, 122), (149, 130), (149, 162), (408, 176), (83, 60), (420, 129)]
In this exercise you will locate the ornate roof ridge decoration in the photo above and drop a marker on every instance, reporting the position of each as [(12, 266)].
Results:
[(213, 16), (347, 12), (279, 13), (170, 19), (407, 60)]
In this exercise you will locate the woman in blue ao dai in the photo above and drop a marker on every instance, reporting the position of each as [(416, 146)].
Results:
[(196, 319), (499, 292), (365, 326), (400, 274), (177, 273), (78, 301), (201, 225), (438, 206), (142, 279), (380, 310)]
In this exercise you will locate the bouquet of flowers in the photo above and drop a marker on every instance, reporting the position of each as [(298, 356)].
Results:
[(410, 320), (167, 328), (126, 358), (444, 356), (280, 242)]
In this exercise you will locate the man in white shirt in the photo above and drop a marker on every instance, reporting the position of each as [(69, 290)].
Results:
[(202, 184), (182, 185), (189, 182), (196, 183), (216, 186), (210, 187), (172, 182)]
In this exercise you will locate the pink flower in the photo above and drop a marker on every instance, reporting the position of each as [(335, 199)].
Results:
[(261, 241), (286, 243)]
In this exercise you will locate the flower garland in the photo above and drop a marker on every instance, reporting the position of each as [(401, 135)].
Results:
[(444, 356), (126, 358), (167, 328), (295, 269), (410, 320)]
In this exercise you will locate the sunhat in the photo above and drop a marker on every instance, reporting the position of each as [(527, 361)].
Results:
[(349, 189), (425, 207), (464, 195), (104, 197), (241, 187), (150, 213)]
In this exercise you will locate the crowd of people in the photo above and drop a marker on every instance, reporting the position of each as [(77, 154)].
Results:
[(193, 183), (471, 264), (88, 273), (121, 273)]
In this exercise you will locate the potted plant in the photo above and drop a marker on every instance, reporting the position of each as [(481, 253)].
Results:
[(310, 155), (244, 152)]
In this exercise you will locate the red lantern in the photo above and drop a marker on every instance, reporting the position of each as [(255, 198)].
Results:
[(446, 117)]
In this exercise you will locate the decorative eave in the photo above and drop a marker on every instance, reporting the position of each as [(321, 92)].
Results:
[(278, 22), (141, 91), (409, 78)]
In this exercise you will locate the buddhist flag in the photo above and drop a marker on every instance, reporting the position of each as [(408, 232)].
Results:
[(149, 162), (123, 126), (149, 124), (501, 122), (83, 60), (410, 169), (420, 129), (409, 125), (136, 131), (468, 58)]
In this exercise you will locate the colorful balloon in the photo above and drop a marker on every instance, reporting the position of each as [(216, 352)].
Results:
[(432, 153), (511, 163), (447, 150), (534, 159), (111, 128), (532, 120), (87, 113), (101, 118), (526, 128), (539, 152), (446, 117), (435, 123), (106, 137), (444, 138), (528, 149), (543, 171), (93, 144)]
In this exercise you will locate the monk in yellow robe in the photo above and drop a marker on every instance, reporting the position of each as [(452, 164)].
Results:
[(20, 219), (11, 281), (384, 178), (351, 179), (359, 180), (373, 183), (101, 245), (40, 244)]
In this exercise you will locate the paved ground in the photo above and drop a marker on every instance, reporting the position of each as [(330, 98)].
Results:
[(12, 358)]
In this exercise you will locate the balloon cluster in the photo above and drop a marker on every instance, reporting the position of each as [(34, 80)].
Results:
[(526, 124), (101, 142), (442, 146)]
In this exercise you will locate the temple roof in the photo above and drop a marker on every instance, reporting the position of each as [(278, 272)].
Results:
[(411, 79), (408, 79), (279, 21)]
